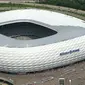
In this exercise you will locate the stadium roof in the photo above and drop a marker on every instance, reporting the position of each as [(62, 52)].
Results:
[(67, 27)]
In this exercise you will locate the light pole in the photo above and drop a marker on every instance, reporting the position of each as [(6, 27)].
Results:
[(70, 81)]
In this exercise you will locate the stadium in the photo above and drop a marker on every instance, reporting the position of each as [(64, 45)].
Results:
[(34, 40)]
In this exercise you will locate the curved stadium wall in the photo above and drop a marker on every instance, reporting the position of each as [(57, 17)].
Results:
[(66, 45)]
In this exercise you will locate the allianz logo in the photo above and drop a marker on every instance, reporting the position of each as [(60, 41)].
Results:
[(69, 52)]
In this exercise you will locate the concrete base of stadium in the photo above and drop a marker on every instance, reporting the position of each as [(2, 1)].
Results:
[(72, 74)]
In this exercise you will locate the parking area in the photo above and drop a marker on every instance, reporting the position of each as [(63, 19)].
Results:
[(72, 75)]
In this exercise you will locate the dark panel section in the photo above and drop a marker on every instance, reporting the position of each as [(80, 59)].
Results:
[(25, 30)]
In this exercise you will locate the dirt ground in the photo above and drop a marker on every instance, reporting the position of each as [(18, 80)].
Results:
[(73, 74)]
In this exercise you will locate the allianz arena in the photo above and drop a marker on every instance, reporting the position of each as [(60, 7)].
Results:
[(35, 40)]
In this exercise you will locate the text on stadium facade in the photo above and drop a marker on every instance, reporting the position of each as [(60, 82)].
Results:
[(69, 52)]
